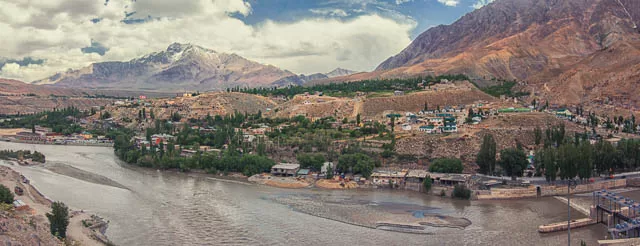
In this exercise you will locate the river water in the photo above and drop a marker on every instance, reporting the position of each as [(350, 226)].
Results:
[(149, 207)]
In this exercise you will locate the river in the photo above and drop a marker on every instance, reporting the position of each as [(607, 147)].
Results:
[(148, 207)]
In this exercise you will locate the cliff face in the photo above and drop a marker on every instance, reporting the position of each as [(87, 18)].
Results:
[(181, 66), (573, 51)]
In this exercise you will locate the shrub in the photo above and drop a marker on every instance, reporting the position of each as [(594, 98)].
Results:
[(446, 165), (5, 195), (462, 192)]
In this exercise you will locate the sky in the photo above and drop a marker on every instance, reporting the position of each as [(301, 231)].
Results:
[(44, 37)]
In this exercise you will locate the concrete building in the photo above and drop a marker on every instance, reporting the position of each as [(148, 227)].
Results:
[(285, 169), (415, 179)]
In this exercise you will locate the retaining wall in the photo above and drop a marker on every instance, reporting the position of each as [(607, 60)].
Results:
[(547, 190)]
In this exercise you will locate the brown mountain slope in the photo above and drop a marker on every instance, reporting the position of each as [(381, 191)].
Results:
[(14, 87), (557, 42)]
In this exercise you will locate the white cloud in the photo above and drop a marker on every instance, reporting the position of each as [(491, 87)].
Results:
[(481, 3), (451, 3), (330, 12), (305, 46), (398, 2)]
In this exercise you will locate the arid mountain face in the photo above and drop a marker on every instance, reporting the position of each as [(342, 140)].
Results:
[(339, 72), (569, 50), (180, 67), (302, 79)]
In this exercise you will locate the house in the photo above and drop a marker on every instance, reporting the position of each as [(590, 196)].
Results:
[(436, 120), (428, 129), (412, 119), (326, 166), (157, 138), (563, 113), (383, 177), (303, 173), (188, 153), (449, 179), (285, 169), (449, 127), (398, 93), (20, 205), (415, 179), (30, 136)]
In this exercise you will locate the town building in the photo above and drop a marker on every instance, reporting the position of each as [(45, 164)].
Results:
[(285, 169), (415, 179), (383, 177), (428, 129)]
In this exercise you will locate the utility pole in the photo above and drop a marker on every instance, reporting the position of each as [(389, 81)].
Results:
[(570, 185)]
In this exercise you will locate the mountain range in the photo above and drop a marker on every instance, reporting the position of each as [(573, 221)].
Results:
[(179, 67), (569, 51), (182, 67), (302, 79)]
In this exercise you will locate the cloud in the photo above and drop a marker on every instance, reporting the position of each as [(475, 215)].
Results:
[(95, 47), (72, 38), (24, 62), (481, 3), (330, 12), (398, 2), (451, 3)]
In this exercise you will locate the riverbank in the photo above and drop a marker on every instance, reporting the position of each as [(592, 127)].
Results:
[(36, 207)]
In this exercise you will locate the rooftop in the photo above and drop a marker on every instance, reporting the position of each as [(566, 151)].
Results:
[(286, 166)]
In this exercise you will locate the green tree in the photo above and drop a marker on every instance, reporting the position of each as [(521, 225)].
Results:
[(176, 117), (329, 174), (358, 119), (59, 219), (357, 163), (393, 123), (426, 184), (312, 161), (461, 191), (513, 161), (5, 195), (446, 165), (585, 160), (486, 158), (152, 115), (469, 118), (105, 115), (568, 161), (537, 132)]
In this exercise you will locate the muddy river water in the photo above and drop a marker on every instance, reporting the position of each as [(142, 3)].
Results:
[(148, 207)]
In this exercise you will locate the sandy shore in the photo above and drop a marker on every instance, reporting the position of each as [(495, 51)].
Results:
[(280, 182), (39, 205), (335, 185)]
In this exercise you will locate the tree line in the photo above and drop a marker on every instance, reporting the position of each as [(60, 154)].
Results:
[(59, 120), (350, 88)]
